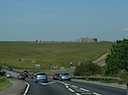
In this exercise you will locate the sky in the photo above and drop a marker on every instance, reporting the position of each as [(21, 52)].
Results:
[(63, 20)]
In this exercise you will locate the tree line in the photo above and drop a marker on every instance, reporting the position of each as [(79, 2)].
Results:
[(116, 62)]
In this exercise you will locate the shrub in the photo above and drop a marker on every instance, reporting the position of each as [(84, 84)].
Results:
[(87, 69)]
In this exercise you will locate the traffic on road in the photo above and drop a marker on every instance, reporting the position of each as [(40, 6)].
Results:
[(61, 84)]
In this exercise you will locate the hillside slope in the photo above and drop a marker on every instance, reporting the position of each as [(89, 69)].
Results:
[(26, 54)]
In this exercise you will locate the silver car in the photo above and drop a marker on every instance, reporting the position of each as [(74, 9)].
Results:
[(8, 75), (64, 76)]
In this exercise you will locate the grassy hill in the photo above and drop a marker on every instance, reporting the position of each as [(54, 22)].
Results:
[(25, 55)]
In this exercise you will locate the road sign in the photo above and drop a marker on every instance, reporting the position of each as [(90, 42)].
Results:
[(37, 66)]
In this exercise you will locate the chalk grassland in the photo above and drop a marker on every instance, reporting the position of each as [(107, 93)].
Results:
[(4, 83), (24, 55)]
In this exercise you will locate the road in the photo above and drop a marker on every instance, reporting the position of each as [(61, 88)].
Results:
[(72, 88), (69, 88)]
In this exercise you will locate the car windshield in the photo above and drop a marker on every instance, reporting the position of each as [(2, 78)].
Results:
[(41, 73)]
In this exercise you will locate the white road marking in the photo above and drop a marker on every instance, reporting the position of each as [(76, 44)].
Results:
[(77, 93), (71, 90), (96, 93), (47, 83), (74, 86), (69, 86), (28, 86), (86, 90), (43, 84)]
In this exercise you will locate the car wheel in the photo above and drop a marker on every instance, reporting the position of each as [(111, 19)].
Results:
[(69, 79)]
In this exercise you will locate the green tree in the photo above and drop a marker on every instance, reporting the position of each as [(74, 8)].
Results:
[(117, 60)]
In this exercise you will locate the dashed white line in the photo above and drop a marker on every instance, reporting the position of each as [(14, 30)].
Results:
[(77, 93), (71, 90), (74, 86), (96, 93), (86, 90), (67, 86)]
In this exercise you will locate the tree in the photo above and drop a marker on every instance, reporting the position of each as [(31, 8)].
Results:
[(117, 60)]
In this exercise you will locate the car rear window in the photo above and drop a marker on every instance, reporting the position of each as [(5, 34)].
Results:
[(41, 73), (41, 76)]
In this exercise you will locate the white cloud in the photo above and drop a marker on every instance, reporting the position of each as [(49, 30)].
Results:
[(28, 5)]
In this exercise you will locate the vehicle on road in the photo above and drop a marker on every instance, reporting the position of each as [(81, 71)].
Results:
[(56, 76), (9, 68), (8, 75), (64, 76), (25, 73), (21, 76), (41, 77)]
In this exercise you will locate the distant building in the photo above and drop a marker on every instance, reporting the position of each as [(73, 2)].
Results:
[(87, 40)]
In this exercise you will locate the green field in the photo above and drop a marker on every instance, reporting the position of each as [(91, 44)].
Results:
[(4, 83), (24, 55)]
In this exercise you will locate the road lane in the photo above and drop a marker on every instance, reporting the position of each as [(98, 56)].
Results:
[(51, 88), (70, 88), (97, 89)]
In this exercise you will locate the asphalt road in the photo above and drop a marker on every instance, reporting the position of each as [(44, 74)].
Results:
[(69, 88), (51, 88), (72, 88)]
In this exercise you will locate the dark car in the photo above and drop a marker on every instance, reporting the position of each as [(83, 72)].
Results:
[(56, 76), (21, 76), (25, 73), (41, 77)]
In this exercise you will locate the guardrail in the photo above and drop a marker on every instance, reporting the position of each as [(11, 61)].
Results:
[(96, 78)]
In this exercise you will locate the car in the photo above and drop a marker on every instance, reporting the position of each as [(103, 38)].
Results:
[(25, 73), (64, 76), (41, 77), (9, 68), (21, 76), (56, 76), (8, 75)]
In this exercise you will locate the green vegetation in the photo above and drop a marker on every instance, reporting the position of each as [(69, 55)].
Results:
[(88, 69), (4, 83), (117, 60), (24, 55)]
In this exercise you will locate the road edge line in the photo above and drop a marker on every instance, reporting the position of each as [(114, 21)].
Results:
[(28, 86)]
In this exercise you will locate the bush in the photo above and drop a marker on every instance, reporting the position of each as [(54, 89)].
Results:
[(2, 73), (87, 69)]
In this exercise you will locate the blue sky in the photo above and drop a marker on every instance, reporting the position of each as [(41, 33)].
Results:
[(63, 20)]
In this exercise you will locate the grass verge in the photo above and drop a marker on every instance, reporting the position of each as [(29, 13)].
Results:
[(5, 83)]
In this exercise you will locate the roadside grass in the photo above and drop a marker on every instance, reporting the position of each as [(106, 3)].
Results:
[(24, 55), (5, 83)]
